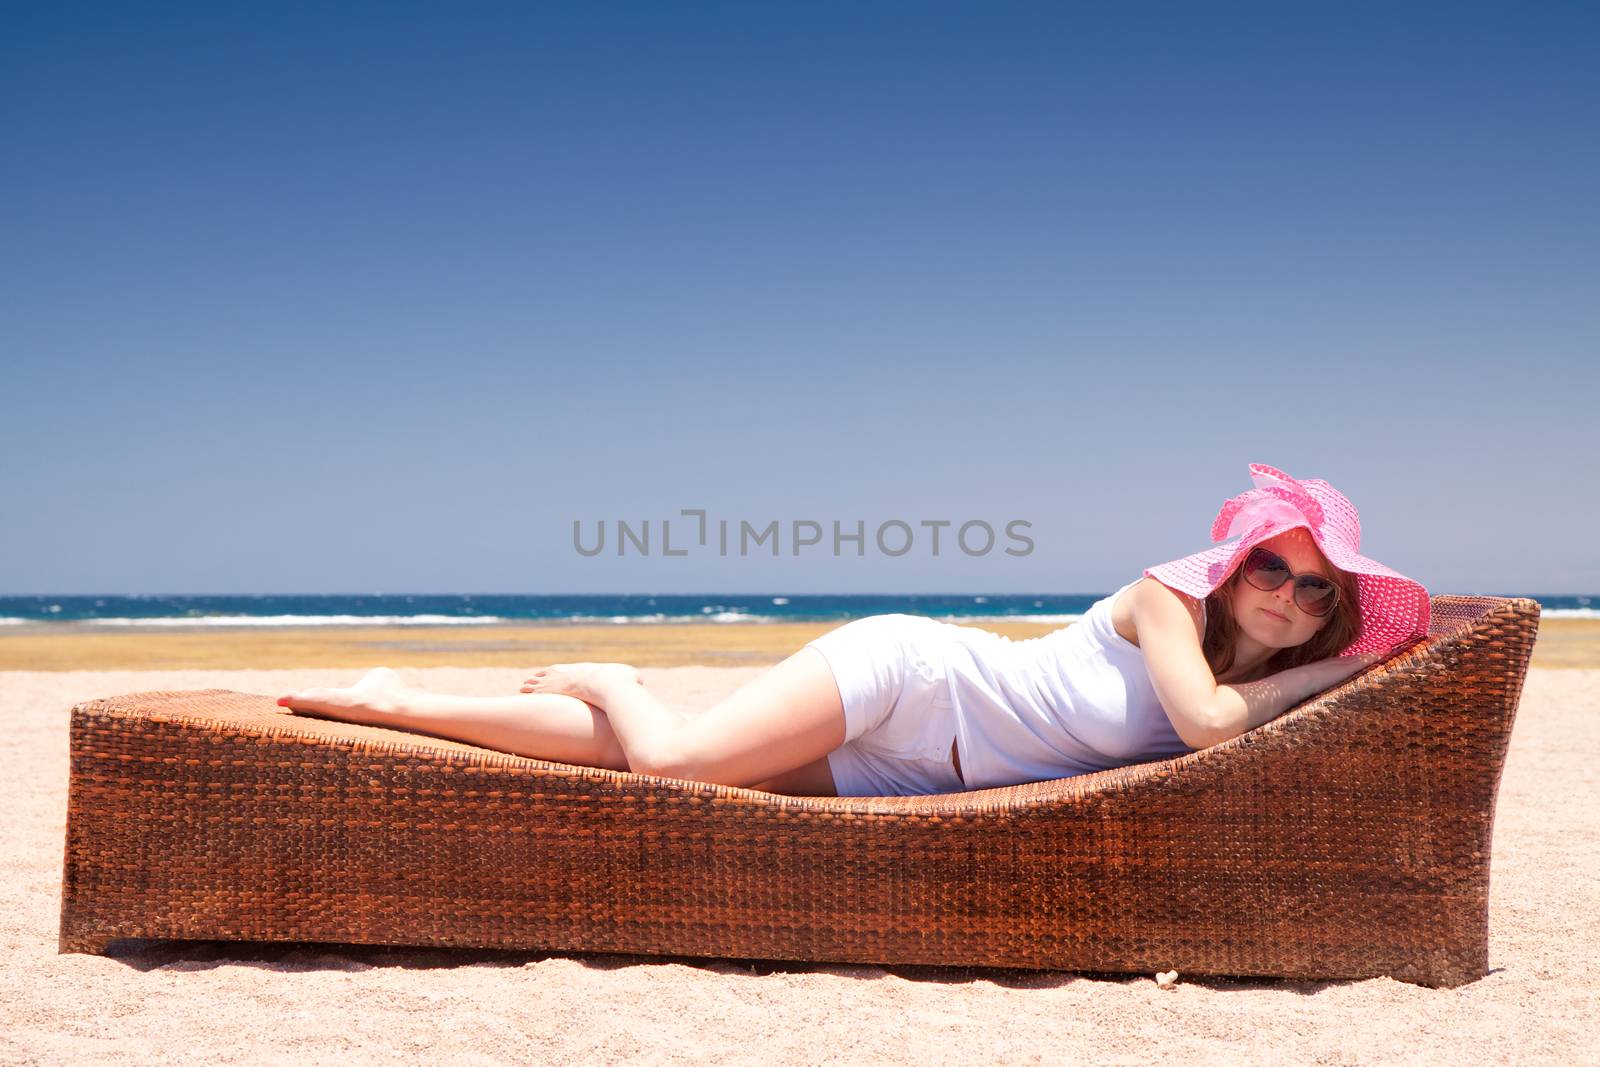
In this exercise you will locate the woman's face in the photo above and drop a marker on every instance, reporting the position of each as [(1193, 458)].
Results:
[(1273, 618)]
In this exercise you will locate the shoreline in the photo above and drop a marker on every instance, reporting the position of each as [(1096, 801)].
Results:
[(44, 626), (1563, 643)]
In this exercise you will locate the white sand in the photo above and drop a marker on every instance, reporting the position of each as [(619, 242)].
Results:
[(223, 1002)]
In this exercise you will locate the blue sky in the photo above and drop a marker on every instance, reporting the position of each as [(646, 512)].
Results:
[(346, 298)]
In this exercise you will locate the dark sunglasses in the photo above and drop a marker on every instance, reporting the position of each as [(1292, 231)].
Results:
[(1314, 594)]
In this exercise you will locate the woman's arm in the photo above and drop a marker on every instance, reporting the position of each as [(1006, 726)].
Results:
[(1243, 706), (1170, 627), (1202, 712)]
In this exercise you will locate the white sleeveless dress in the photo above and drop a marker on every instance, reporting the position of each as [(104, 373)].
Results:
[(1074, 701)]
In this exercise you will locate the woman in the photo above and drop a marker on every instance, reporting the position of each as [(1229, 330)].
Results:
[(1193, 653)]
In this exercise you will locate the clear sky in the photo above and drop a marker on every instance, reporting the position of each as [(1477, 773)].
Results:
[(384, 297)]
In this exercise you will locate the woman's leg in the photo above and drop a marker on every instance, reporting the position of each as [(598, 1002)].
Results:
[(549, 726), (777, 727), (773, 733)]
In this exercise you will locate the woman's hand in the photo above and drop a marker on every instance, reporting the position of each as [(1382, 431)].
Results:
[(1340, 667), (1247, 705), (1335, 669)]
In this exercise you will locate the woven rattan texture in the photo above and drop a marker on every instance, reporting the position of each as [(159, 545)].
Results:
[(1348, 838)]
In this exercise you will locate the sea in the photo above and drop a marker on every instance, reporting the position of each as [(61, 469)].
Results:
[(487, 609)]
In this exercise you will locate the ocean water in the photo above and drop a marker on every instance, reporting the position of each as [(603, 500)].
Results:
[(470, 609)]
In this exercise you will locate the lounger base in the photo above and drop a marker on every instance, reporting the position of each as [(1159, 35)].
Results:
[(1347, 839)]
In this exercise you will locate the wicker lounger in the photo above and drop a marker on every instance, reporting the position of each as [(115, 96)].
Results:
[(1349, 838)]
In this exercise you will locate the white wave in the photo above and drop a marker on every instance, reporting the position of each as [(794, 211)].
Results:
[(1059, 620), (1569, 613), (302, 620), (721, 616), (658, 617), (780, 600), (8, 620)]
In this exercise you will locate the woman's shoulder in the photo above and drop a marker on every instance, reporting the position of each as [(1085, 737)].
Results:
[(1126, 608)]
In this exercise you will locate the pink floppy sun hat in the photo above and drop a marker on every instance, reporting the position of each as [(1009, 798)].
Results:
[(1394, 608)]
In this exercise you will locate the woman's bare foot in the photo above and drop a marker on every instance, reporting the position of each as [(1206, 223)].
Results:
[(373, 700), (586, 681)]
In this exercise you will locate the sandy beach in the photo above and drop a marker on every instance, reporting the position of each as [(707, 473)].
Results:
[(267, 1003)]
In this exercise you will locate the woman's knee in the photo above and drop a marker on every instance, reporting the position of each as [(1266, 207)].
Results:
[(784, 719), (664, 760), (686, 754)]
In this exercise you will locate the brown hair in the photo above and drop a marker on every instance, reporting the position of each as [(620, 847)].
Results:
[(1222, 631)]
